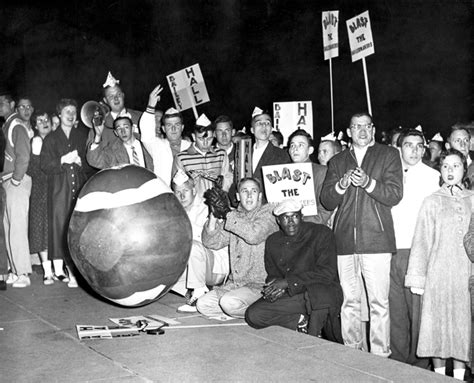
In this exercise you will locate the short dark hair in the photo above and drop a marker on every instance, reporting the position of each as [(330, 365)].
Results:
[(123, 118), (361, 114), (223, 118), (303, 133), (278, 136), (409, 132), (65, 102), (245, 179)]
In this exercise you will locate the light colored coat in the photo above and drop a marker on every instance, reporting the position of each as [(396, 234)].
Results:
[(245, 233), (439, 265)]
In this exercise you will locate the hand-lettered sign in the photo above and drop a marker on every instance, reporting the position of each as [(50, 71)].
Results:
[(330, 23), (360, 36), (289, 116), (291, 181), (188, 88)]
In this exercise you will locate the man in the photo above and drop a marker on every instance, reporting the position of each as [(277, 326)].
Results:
[(300, 148), (163, 150), (419, 181), (25, 110), (460, 139), (364, 183), (301, 265), (201, 162), (205, 267), (114, 97), (127, 150), (328, 149), (223, 133), (17, 186), (264, 153), (244, 230)]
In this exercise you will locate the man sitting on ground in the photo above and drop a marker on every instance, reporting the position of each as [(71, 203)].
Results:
[(205, 267), (244, 230), (301, 263)]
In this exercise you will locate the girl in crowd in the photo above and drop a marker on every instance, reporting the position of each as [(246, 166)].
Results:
[(38, 213), (63, 159), (439, 268)]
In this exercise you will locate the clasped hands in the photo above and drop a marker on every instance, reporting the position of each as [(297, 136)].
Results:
[(274, 289), (71, 158), (356, 177)]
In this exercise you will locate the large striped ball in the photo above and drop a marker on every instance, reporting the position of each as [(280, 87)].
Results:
[(129, 236)]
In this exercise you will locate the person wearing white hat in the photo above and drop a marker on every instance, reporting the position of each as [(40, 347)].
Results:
[(328, 148), (205, 267), (364, 183), (302, 281), (205, 164), (114, 97), (264, 153)]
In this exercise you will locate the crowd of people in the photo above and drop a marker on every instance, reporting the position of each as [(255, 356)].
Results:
[(382, 267)]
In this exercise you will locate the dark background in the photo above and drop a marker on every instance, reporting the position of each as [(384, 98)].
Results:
[(251, 53)]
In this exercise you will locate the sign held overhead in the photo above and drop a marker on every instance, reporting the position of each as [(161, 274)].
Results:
[(360, 36)]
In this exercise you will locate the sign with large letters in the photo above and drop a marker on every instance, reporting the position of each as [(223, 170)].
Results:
[(360, 36), (291, 181), (289, 116), (330, 23), (188, 88)]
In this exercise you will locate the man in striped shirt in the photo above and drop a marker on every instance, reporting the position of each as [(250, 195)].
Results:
[(203, 163)]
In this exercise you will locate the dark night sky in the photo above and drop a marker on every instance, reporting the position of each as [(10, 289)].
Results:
[(251, 53)]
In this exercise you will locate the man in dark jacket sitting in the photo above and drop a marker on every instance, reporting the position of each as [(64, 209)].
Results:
[(301, 263)]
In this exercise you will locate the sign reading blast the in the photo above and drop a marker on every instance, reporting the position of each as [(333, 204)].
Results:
[(360, 36), (291, 181), (330, 23), (289, 116), (188, 88)]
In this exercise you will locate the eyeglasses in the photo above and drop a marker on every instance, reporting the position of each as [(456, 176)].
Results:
[(263, 124), (42, 121), (25, 107), (362, 126), (178, 125)]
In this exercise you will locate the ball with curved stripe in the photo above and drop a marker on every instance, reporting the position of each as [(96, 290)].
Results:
[(129, 236)]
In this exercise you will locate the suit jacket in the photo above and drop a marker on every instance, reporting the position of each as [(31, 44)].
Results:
[(107, 156), (271, 156)]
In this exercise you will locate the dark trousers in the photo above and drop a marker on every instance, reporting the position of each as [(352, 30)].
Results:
[(3, 246), (284, 312), (405, 314)]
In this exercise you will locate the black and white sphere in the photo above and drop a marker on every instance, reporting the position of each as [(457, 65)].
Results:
[(129, 236)]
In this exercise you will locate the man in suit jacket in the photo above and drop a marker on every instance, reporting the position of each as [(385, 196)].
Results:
[(264, 153), (127, 150)]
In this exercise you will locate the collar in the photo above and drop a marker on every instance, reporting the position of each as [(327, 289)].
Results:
[(453, 189)]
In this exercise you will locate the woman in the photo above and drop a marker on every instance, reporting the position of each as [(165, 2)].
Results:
[(38, 213), (63, 159), (439, 269)]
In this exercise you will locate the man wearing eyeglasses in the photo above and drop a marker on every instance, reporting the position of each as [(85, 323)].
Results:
[(17, 186), (460, 139), (162, 150), (25, 110), (264, 153), (364, 183)]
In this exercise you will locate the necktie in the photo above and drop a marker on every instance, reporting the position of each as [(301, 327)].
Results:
[(136, 161)]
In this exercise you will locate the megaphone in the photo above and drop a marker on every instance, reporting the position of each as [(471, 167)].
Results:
[(93, 113)]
